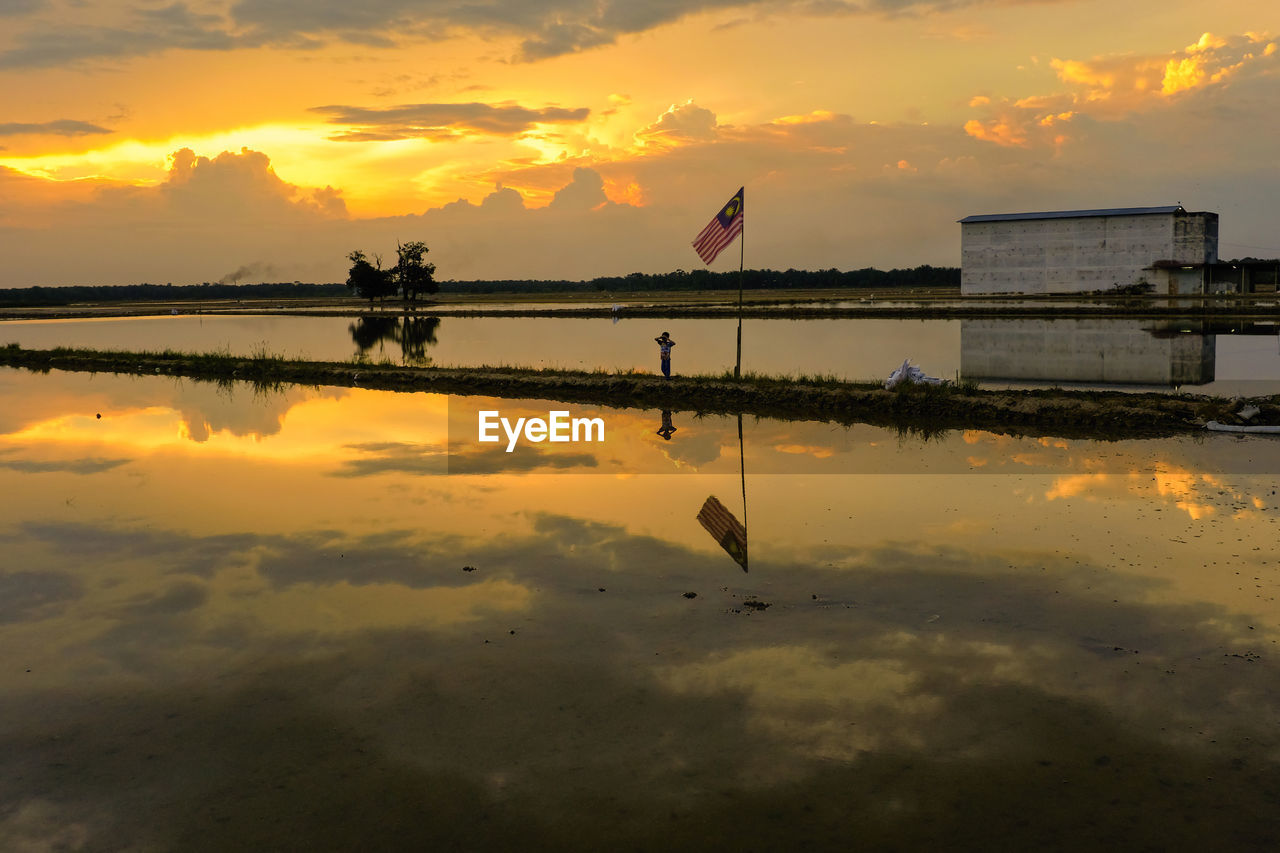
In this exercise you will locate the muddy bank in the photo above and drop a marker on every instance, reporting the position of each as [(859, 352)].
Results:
[(761, 311), (927, 409)]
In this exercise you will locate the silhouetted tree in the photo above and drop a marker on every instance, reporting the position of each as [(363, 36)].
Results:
[(369, 280), (412, 273)]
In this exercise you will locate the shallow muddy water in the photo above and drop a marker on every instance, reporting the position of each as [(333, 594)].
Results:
[(1224, 358), (332, 619)]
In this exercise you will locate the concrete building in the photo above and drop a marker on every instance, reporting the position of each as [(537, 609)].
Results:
[(1078, 251)]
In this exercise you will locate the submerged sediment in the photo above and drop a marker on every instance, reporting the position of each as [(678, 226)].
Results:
[(920, 408)]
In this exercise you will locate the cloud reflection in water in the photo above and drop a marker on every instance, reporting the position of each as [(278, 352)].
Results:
[(274, 650)]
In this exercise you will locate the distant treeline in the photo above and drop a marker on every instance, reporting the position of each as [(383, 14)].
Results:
[(29, 296), (922, 276), (680, 280)]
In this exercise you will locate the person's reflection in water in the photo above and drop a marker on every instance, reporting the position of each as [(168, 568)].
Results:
[(667, 428)]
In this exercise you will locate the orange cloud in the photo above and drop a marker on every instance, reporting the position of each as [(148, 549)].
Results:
[(807, 118), (1006, 130), (1113, 87), (196, 190), (1179, 487), (1128, 83), (682, 124), (805, 450), (625, 192)]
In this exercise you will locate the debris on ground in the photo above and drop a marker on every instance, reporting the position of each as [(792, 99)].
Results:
[(911, 374)]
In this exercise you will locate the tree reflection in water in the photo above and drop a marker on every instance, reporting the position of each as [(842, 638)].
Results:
[(412, 334)]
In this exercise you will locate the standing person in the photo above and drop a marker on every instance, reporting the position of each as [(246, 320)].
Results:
[(664, 350)]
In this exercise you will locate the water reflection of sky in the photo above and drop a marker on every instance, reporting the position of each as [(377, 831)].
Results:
[(270, 644), (994, 350)]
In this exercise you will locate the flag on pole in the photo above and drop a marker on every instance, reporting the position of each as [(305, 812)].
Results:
[(720, 232), (725, 529)]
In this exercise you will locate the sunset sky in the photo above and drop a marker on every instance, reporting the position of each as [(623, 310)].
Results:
[(263, 140)]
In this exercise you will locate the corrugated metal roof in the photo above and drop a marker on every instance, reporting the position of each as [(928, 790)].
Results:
[(1072, 214)]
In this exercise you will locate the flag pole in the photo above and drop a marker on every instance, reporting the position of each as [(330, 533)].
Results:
[(742, 253)]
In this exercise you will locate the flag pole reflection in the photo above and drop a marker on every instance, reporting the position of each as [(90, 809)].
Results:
[(729, 533)]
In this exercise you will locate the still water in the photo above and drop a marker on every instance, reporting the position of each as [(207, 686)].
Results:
[(1227, 358), (328, 619)]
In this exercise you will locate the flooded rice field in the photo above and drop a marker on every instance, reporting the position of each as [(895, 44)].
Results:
[(333, 619), (1224, 357)]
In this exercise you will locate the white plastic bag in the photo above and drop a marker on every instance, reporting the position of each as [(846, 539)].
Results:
[(909, 373)]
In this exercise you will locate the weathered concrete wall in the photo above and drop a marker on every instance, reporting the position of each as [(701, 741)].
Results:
[(1195, 238), (1086, 351), (1179, 282), (1080, 254)]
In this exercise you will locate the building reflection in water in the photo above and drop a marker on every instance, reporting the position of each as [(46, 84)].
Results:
[(1111, 351)]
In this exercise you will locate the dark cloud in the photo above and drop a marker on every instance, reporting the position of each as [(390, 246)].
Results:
[(279, 18), (522, 459), (432, 459), (569, 27), (561, 550), (14, 8), (178, 552), (60, 127), (386, 457), (442, 121), (909, 698), (65, 466), (182, 597), (148, 31), (392, 557), (26, 596), (545, 29)]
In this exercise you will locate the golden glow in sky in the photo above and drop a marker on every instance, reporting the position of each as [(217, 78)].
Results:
[(535, 140)]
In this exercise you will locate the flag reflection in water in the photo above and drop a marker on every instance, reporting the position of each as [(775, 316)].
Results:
[(728, 532), (725, 529)]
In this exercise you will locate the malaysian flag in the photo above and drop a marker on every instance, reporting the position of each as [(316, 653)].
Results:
[(721, 230), (725, 529)]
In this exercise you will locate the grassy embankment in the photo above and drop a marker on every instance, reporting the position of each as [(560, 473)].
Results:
[(921, 408)]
